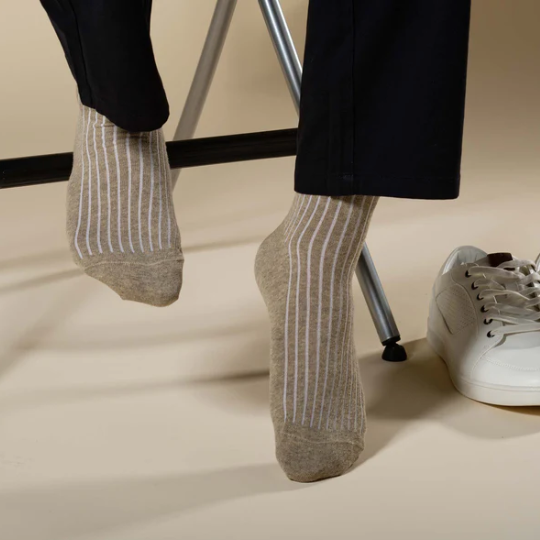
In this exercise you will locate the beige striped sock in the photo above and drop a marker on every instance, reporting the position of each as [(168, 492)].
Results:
[(304, 270), (121, 224)]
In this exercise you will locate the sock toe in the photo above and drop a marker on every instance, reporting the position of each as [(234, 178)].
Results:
[(156, 284), (306, 461)]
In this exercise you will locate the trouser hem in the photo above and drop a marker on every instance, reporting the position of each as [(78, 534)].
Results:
[(406, 187)]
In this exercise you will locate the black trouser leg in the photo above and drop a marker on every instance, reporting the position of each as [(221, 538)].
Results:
[(383, 98), (108, 47)]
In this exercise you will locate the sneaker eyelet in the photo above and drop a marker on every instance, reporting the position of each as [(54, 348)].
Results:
[(483, 309), (488, 321), (490, 335), (467, 274), (474, 286), (479, 298)]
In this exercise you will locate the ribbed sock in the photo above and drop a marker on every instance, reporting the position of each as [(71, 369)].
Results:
[(304, 270), (120, 218)]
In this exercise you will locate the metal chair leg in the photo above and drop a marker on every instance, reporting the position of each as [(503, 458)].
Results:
[(204, 75), (284, 46), (379, 308), (366, 272)]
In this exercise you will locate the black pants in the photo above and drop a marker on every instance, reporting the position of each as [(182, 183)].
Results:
[(383, 90)]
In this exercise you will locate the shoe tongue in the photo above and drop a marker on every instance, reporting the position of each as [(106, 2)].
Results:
[(495, 259)]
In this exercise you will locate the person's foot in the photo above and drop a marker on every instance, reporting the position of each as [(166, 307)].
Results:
[(304, 270), (121, 224), (484, 321)]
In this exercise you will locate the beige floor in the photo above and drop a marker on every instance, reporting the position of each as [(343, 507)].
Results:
[(122, 422)]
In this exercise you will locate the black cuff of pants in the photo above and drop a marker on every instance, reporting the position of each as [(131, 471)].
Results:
[(144, 117), (411, 187)]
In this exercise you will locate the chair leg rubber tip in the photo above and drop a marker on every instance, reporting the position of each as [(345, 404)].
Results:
[(394, 352)]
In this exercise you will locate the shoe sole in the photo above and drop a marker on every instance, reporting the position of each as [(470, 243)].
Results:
[(506, 396)]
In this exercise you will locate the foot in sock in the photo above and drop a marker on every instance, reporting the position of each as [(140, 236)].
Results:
[(304, 270), (120, 219)]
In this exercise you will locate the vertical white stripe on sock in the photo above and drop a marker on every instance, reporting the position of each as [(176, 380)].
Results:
[(167, 187), (332, 280), (286, 334), (108, 185), (295, 221), (89, 187), (354, 388), (141, 183), (342, 291), (169, 203), (353, 379), (356, 403), (128, 153), (118, 186), (160, 182), (357, 381), (357, 253), (319, 314), (345, 354), (345, 358), (76, 239), (151, 192), (298, 266), (308, 302), (292, 215), (362, 413), (346, 264), (308, 305), (98, 185), (349, 328)]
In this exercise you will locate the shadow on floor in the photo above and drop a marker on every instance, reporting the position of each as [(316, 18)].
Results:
[(420, 389), (34, 259), (243, 387), (39, 324), (147, 334), (40, 281), (397, 395), (67, 511)]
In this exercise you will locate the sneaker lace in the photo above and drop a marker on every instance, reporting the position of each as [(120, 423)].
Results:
[(512, 295)]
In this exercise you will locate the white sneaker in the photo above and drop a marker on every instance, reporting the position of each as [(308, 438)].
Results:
[(484, 321)]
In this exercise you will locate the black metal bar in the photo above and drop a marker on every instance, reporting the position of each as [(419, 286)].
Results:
[(30, 171)]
